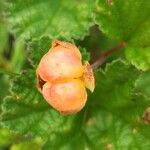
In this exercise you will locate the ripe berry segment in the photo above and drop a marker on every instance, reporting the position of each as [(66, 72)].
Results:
[(62, 78), (67, 97)]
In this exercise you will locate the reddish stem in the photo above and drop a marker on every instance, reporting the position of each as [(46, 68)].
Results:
[(102, 57)]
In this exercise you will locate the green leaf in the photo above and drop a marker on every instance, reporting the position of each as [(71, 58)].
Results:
[(69, 137), (25, 111), (114, 86), (106, 132), (116, 91), (139, 57), (102, 130), (53, 18), (124, 20)]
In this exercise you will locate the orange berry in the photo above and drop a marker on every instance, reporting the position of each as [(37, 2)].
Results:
[(67, 97), (62, 78), (58, 64)]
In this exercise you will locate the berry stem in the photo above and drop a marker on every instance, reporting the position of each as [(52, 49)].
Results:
[(103, 56)]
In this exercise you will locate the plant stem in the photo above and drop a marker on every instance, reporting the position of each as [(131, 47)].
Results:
[(103, 56)]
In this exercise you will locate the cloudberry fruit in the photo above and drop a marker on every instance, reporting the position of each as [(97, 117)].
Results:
[(62, 78)]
